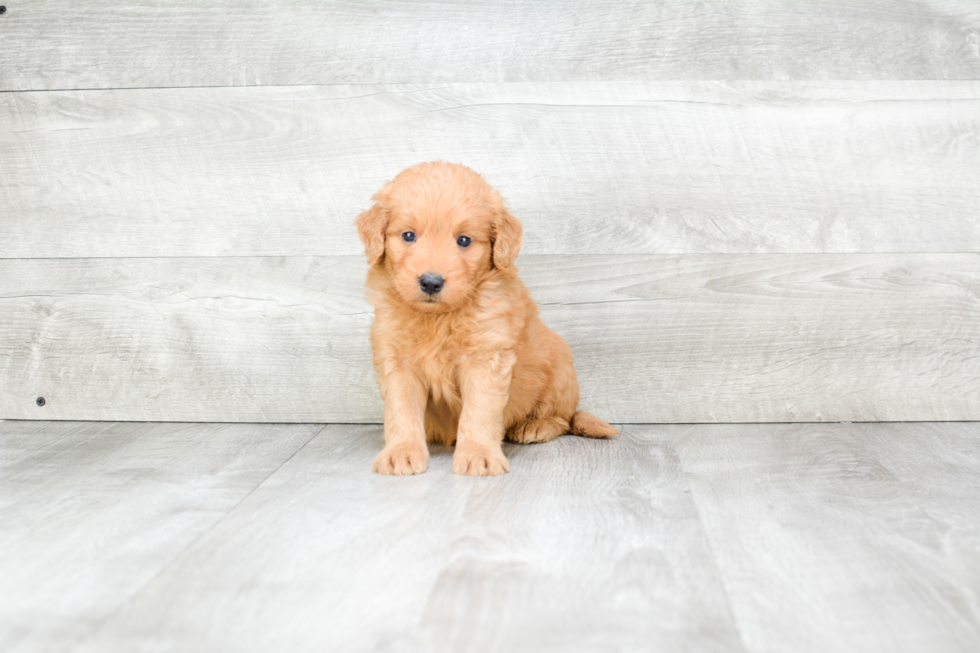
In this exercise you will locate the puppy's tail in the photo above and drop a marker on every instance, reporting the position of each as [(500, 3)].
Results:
[(590, 426)]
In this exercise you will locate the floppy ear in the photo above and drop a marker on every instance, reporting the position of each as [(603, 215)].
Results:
[(505, 241), (371, 226)]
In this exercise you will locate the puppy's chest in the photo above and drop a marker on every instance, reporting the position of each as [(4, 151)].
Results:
[(442, 377), (441, 355), (439, 362)]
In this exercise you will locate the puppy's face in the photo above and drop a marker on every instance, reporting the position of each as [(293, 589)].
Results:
[(442, 228), (436, 248)]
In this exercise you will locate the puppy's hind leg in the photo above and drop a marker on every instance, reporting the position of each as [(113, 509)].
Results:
[(540, 429)]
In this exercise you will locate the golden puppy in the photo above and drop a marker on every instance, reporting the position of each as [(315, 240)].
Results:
[(460, 352)]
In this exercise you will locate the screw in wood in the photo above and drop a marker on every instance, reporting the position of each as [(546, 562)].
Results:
[(40, 401), (3, 10)]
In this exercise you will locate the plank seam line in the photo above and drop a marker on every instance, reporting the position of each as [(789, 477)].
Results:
[(870, 421), (423, 85), (568, 256), (711, 549), (175, 88), (221, 256), (122, 606), (661, 103)]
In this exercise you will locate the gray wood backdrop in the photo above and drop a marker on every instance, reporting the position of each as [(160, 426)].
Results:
[(735, 211)]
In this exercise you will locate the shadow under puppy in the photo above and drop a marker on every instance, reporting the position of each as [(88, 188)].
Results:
[(460, 351)]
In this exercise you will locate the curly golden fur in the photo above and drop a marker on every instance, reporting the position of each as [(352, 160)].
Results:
[(460, 352)]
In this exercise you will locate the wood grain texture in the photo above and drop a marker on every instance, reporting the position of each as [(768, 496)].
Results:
[(709, 338), (950, 452), (53, 44), (92, 512), (585, 545), (590, 168), (193, 537), (824, 539), (190, 339)]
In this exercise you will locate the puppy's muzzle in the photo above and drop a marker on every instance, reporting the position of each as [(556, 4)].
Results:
[(431, 283)]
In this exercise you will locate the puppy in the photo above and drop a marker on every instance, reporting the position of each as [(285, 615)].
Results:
[(460, 352)]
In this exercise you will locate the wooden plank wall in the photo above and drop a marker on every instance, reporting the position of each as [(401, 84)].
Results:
[(738, 211)]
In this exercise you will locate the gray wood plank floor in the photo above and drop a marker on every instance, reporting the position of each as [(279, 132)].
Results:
[(213, 537), (90, 512)]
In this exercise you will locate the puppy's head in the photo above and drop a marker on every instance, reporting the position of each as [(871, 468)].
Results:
[(438, 229)]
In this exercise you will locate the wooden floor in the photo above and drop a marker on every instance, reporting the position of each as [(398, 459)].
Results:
[(240, 537)]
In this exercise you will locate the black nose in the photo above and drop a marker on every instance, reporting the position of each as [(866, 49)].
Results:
[(431, 283)]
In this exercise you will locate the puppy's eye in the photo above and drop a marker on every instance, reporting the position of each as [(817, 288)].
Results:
[(409, 236), (464, 241)]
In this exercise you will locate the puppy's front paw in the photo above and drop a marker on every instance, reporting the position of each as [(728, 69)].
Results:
[(402, 459), (480, 460)]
